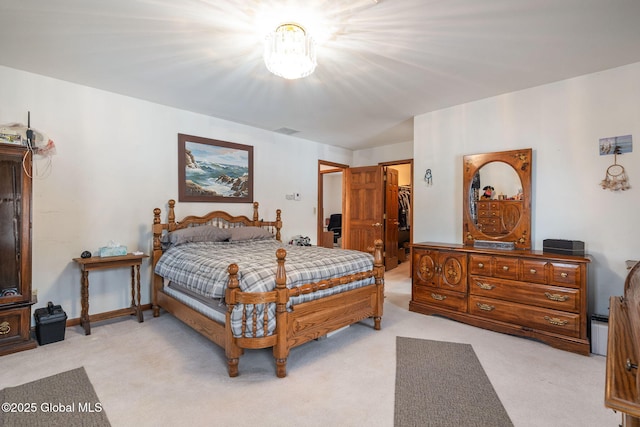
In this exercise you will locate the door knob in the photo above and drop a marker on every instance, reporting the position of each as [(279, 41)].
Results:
[(377, 224)]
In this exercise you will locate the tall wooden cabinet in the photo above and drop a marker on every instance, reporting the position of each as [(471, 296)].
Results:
[(15, 249), (521, 292)]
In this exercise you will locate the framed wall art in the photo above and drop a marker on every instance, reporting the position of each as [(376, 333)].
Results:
[(214, 171)]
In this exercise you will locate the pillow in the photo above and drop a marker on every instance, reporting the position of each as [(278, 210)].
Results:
[(249, 233), (203, 233)]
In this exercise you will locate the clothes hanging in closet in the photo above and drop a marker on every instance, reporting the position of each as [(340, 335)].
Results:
[(404, 207)]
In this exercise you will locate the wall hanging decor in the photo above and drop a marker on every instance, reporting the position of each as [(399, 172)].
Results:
[(214, 171), (615, 178)]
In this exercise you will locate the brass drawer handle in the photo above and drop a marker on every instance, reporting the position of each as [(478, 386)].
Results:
[(563, 275), (555, 321), (533, 271), (556, 297), (505, 268), (5, 328), (438, 297), (485, 307), (480, 265), (485, 286)]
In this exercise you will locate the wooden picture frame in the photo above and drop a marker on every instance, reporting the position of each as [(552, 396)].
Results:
[(210, 170)]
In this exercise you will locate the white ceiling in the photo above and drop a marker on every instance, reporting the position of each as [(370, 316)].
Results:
[(379, 66)]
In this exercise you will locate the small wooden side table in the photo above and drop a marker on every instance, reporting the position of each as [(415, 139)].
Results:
[(103, 263)]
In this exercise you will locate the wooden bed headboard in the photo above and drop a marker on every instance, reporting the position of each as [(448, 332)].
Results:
[(219, 219)]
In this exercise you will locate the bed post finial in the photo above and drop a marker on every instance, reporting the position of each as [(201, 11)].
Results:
[(256, 216), (281, 275), (171, 218), (278, 224), (156, 231)]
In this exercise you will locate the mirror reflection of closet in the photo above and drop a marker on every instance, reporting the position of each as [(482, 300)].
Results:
[(497, 205)]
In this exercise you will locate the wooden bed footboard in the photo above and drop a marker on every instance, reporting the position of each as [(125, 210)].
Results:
[(306, 321), (294, 326)]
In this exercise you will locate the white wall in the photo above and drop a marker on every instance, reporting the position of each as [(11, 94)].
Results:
[(116, 161), (562, 122), (386, 153), (332, 193)]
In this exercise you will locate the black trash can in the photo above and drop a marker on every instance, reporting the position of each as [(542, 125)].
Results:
[(50, 323)]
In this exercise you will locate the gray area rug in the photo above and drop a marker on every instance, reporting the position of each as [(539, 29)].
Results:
[(65, 399), (443, 384)]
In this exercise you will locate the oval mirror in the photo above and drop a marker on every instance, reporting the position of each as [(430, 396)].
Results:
[(497, 205), (496, 198)]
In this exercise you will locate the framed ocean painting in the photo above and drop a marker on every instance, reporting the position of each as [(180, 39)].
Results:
[(214, 171)]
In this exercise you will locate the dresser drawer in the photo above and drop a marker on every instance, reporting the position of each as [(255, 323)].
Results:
[(489, 221), (533, 271), (447, 299), (480, 265), (491, 230), (14, 324), (554, 297), (554, 321), (488, 205), (505, 268), (564, 274), (484, 217)]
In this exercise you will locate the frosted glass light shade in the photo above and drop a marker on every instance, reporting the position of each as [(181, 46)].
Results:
[(289, 52)]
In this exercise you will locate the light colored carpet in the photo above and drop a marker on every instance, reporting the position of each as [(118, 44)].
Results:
[(162, 373), (442, 384)]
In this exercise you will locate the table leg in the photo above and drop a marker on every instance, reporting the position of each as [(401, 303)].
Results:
[(84, 301), (139, 307), (133, 287)]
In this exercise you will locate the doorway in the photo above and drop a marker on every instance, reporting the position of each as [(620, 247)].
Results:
[(330, 203), (332, 199), (405, 202)]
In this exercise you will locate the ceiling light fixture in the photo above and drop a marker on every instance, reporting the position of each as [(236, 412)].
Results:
[(289, 52)]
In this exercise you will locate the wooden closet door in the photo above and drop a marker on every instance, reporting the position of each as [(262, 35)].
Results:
[(363, 220)]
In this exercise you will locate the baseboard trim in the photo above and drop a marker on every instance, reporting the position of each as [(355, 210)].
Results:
[(107, 315)]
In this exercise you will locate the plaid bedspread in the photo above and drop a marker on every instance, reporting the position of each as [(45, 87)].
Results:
[(202, 267)]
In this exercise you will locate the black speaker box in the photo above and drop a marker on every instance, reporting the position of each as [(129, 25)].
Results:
[(563, 247)]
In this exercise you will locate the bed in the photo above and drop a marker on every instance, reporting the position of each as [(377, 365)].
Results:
[(228, 277)]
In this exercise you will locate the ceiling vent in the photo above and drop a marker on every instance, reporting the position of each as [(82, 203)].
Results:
[(286, 131)]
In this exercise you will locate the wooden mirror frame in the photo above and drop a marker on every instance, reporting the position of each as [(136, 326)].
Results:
[(521, 161)]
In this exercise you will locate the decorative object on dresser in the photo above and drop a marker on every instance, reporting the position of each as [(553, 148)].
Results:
[(566, 247), (240, 294), (15, 249), (493, 280), (622, 382)]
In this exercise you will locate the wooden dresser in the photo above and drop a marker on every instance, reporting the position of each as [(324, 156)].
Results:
[(526, 293), (622, 382)]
